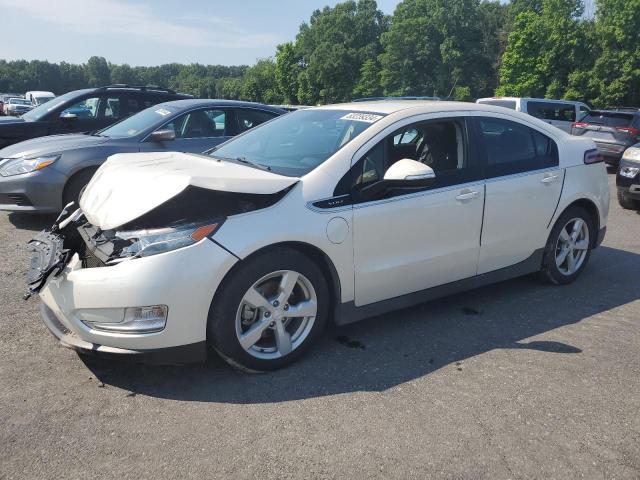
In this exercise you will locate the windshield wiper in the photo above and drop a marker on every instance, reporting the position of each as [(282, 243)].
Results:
[(244, 161)]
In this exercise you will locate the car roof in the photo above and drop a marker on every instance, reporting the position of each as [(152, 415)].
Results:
[(618, 113), (200, 102), (548, 100), (425, 106)]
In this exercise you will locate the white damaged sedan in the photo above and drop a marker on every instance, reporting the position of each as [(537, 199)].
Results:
[(329, 214)]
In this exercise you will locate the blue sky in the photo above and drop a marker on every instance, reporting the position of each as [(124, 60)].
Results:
[(153, 32)]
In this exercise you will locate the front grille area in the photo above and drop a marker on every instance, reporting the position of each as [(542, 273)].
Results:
[(18, 199)]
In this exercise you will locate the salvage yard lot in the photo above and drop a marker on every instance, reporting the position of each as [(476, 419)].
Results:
[(513, 380)]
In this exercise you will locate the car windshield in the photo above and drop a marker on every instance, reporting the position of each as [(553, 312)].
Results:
[(19, 101), (141, 121), (608, 119), (296, 143), (41, 110)]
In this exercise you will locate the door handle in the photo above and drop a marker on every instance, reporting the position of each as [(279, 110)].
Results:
[(549, 178), (467, 194)]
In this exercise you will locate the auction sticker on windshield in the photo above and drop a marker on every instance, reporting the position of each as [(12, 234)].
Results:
[(362, 117), (163, 111)]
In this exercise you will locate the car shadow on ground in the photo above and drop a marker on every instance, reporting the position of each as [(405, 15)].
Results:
[(32, 221), (383, 352)]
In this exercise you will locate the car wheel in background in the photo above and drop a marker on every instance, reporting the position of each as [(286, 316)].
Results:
[(269, 311), (75, 186), (569, 246), (626, 202)]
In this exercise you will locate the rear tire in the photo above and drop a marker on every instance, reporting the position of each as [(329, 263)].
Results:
[(569, 246), (269, 311), (626, 202), (75, 187)]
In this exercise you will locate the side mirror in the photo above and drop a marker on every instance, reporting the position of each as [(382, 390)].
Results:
[(407, 172), (163, 135), (68, 117)]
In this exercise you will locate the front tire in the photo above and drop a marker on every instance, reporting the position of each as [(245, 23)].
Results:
[(626, 202), (269, 311), (569, 246)]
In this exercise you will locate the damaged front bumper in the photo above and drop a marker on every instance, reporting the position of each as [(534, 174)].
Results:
[(77, 293)]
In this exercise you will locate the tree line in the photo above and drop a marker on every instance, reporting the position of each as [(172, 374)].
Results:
[(456, 49)]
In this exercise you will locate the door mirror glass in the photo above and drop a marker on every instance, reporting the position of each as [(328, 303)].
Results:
[(164, 135), (410, 171)]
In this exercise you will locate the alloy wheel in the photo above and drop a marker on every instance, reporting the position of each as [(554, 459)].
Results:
[(276, 314), (572, 246)]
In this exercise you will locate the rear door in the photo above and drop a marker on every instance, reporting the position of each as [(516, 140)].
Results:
[(523, 186)]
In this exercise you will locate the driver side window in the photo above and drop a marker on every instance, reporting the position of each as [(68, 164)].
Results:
[(87, 108), (441, 144)]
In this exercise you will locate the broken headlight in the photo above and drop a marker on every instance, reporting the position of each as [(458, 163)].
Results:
[(143, 243)]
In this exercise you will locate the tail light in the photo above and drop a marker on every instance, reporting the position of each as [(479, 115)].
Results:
[(592, 156), (578, 125), (630, 130)]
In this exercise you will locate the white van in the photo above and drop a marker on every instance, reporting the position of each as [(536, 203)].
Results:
[(560, 113), (38, 98)]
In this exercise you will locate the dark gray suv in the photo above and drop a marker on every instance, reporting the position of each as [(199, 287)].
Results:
[(613, 129), (83, 110), (44, 174)]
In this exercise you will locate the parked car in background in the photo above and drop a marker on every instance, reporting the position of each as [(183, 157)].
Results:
[(329, 214), (628, 178), (4, 98), (613, 130), (373, 99), (38, 98), (17, 106), (84, 110), (559, 113), (46, 173)]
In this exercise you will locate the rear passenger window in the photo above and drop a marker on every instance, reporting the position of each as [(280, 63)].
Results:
[(564, 112), (248, 118), (514, 148)]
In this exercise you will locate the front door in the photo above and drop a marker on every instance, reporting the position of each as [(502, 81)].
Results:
[(405, 241), (196, 131)]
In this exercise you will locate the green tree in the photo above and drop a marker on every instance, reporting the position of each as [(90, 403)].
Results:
[(432, 47), (287, 71), (615, 76), (97, 72), (124, 74), (259, 83), (229, 88), (369, 82), (543, 50), (334, 45)]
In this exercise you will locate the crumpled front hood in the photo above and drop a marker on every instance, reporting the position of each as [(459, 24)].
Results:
[(129, 185), (50, 144)]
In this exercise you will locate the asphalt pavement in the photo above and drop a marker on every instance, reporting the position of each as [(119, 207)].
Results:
[(515, 380)]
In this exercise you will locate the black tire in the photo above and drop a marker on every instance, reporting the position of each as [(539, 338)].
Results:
[(626, 202), (75, 186), (550, 271), (221, 324)]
